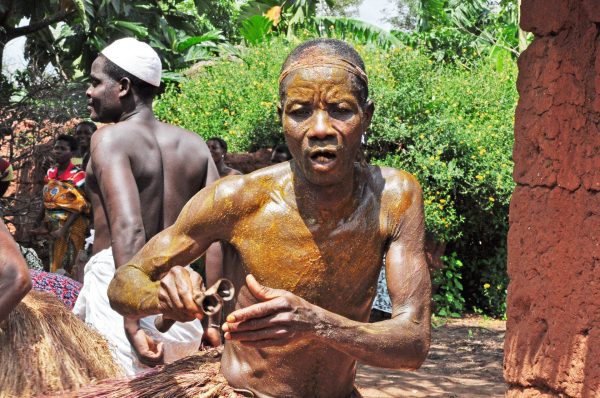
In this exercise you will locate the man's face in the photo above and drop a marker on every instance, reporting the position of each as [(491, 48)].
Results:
[(62, 152), (323, 122), (216, 151), (103, 94), (83, 135)]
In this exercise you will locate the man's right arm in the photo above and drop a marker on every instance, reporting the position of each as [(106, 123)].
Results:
[(14, 275), (136, 289)]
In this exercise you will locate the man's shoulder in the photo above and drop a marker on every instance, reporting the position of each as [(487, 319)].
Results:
[(394, 179), (256, 185)]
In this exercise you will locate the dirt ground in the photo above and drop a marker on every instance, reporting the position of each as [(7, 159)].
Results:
[(465, 360)]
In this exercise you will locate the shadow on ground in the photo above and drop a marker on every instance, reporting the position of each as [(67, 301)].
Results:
[(465, 360)]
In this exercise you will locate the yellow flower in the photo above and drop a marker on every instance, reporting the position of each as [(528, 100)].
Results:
[(492, 199), (442, 201), (486, 285), (482, 151), (479, 177)]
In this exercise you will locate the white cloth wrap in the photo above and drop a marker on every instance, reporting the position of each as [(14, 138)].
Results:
[(92, 306)]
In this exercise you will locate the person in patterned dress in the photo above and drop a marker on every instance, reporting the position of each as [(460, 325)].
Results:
[(65, 206)]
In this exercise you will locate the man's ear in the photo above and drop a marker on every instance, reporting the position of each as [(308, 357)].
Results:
[(368, 110), (124, 87), (279, 111)]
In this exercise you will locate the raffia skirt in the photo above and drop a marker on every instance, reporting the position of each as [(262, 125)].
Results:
[(196, 376)]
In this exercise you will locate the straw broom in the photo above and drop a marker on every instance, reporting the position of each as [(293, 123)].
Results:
[(44, 348), (196, 376)]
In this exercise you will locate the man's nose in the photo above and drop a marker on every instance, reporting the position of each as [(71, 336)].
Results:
[(88, 92), (321, 128)]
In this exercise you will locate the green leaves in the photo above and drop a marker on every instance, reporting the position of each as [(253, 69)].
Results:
[(131, 27), (355, 30), (256, 29)]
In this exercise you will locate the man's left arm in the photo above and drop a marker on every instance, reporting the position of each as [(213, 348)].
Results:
[(401, 342)]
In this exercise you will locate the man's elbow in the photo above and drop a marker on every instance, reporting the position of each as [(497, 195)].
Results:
[(414, 352), (118, 294), (22, 284)]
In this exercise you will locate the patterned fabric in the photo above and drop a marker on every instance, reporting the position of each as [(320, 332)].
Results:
[(62, 197), (382, 300), (72, 174), (65, 289), (31, 258)]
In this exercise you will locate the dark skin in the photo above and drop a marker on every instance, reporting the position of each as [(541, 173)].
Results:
[(14, 275), (218, 154), (310, 235), (140, 175), (83, 134)]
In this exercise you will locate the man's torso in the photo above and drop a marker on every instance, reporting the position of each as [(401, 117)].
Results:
[(332, 262), (169, 166)]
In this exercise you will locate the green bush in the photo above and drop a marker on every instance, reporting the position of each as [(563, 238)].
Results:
[(448, 124), (235, 99), (448, 300)]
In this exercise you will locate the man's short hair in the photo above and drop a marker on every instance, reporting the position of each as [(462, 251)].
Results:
[(88, 123), (333, 47), (221, 142), (115, 72), (69, 139)]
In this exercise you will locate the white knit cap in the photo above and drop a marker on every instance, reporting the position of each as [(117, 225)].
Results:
[(135, 57)]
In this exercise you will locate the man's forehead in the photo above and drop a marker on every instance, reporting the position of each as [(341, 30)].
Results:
[(97, 66), (324, 79)]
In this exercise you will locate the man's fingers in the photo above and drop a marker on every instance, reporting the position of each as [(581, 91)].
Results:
[(197, 283), (185, 289), (259, 310), (176, 294), (262, 293), (258, 323), (258, 335)]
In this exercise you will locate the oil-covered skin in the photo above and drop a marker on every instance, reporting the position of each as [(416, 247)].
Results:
[(309, 235)]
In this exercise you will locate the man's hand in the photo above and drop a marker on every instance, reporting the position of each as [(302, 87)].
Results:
[(211, 337), (148, 352), (280, 317), (176, 295)]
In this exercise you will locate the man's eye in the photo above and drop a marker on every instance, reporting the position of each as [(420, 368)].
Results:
[(298, 112), (341, 112)]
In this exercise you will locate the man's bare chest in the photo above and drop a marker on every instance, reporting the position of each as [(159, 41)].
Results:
[(326, 261)]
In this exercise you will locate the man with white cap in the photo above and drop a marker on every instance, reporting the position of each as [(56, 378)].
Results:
[(140, 175)]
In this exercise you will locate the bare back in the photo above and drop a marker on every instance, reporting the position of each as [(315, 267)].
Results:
[(157, 165)]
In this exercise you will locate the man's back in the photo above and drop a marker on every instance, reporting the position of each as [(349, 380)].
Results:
[(161, 164)]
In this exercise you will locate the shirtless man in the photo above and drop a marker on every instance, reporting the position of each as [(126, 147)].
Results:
[(218, 150), (140, 175), (310, 236)]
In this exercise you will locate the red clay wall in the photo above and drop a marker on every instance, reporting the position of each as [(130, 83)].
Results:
[(552, 346)]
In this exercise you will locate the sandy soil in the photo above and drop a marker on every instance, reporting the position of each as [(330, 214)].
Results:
[(465, 360)]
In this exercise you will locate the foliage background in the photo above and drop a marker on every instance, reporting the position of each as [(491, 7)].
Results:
[(444, 88), (449, 124)]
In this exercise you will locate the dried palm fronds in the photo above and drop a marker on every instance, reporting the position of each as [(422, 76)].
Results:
[(44, 349), (196, 376)]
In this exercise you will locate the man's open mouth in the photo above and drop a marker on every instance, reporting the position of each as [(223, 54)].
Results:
[(323, 156)]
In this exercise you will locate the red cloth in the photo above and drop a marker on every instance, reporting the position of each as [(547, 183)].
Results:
[(4, 164), (72, 174)]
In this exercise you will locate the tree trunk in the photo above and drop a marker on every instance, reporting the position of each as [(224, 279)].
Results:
[(522, 33)]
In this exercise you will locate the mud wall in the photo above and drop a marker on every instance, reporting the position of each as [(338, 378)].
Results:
[(552, 346)]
